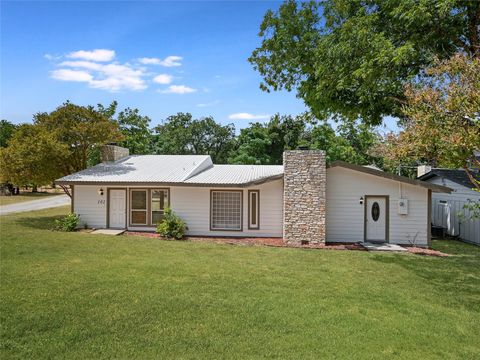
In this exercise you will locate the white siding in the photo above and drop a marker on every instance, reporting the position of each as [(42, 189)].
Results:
[(447, 214), (192, 204), (345, 215), (91, 206)]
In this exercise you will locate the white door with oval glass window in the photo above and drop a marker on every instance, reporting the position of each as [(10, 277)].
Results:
[(376, 218), (117, 209)]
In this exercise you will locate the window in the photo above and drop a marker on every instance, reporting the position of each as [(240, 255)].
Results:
[(138, 208), (159, 200), (254, 209), (226, 210)]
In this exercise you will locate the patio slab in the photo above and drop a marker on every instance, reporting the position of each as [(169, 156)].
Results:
[(383, 247), (108, 232)]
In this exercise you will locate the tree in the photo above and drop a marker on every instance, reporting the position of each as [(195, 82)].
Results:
[(181, 134), (443, 112), (32, 157), (253, 146), (265, 143), (82, 129), (6, 131), (136, 131), (352, 59), (351, 142)]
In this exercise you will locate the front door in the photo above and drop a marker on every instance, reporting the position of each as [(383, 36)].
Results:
[(376, 219), (118, 207)]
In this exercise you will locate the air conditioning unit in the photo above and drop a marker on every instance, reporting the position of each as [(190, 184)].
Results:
[(403, 206)]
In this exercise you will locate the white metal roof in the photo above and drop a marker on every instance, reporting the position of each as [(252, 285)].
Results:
[(143, 168), (172, 169), (236, 174)]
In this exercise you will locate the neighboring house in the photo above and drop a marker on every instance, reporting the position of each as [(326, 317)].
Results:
[(301, 201), (448, 209)]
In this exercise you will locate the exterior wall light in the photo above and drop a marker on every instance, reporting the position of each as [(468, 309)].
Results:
[(361, 200), (100, 191)]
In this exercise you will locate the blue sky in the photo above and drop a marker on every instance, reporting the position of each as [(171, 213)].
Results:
[(160, 57)]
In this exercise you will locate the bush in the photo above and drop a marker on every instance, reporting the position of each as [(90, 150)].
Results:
[(68, 223), (171, 227)]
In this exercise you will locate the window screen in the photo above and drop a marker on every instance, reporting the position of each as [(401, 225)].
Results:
[(226, 211), (159, 202), (139, 207)]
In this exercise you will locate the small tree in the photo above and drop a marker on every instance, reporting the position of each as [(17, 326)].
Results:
[(443, 117)]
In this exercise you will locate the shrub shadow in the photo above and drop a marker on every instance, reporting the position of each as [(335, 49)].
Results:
[(39, 222)]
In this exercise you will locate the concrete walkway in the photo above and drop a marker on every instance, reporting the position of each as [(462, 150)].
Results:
[(49, 202), (383, 247)]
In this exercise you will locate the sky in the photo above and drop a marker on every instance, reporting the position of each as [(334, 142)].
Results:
[(160, 57)]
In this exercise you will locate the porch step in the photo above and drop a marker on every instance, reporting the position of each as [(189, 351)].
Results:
[(383, 247), (108, 232)]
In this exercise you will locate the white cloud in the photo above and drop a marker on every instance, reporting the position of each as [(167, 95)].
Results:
[(93, 55), (112, 76), (149, 61), (71, 75), (247, 116), (169, 61), (98, 69), (82, 64), (164, 79), (212, 103), (178, 89)]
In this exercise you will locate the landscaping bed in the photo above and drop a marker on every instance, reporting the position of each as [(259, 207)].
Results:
[(278, 242)]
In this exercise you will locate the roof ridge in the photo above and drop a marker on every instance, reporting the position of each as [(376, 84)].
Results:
[(198, 169)]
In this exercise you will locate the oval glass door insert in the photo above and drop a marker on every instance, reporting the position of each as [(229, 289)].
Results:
[(375, 211)]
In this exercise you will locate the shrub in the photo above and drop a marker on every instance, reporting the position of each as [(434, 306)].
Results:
[(68, 223), (171, 227)]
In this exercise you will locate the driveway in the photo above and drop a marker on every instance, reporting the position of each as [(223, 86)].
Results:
[(53, 201)]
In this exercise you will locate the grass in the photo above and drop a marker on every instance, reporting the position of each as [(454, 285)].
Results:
[(15, 199), (82, 296)]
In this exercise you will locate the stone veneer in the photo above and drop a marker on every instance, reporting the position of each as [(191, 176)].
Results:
[(304, 201)]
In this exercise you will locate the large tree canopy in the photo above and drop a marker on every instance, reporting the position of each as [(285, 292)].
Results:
[(82, 129), (353, 58), (265, 143), (181, 134)]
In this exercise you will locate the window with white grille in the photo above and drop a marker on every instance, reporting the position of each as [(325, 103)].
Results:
[(226, 210)]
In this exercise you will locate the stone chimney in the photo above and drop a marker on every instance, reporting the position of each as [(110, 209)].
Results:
[(110, 153), (423, 169), (304, 201)]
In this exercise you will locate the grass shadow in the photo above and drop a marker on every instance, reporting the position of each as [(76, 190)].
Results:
[(38, 222), (457, 275)]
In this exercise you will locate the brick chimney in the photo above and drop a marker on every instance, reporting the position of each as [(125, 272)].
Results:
[(304, 201), (110, 153)]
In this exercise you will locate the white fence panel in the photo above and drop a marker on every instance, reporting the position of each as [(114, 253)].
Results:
[(446, 213)]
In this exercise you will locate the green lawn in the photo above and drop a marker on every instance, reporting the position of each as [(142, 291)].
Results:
[(81, 296), (14, 199)]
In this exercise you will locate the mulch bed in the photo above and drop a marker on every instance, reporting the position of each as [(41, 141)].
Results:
[(278, 242), (426, 252), (274, 242)]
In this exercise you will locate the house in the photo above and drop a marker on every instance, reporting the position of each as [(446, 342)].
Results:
[(448, 209), (299, 201)]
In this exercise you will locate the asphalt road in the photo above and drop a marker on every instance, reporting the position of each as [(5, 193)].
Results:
[(49, 202)]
